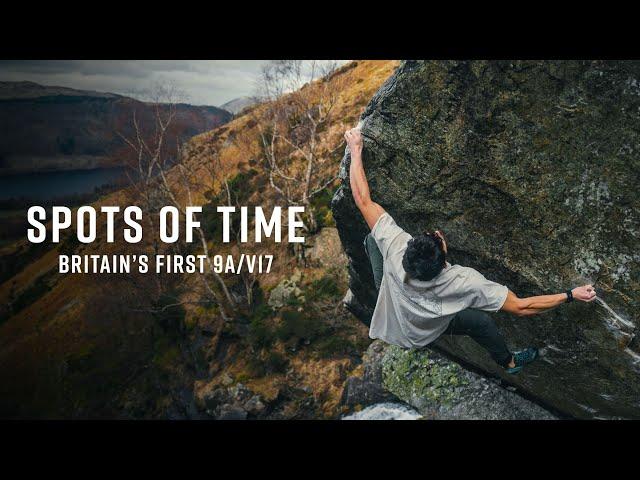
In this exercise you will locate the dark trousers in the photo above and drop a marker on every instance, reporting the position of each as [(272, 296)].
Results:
[(481, 328), (474, 323)]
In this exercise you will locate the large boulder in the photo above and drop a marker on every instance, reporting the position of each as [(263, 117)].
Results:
[(437, 388), (531, 169)]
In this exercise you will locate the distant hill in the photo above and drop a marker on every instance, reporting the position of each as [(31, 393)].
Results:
[(44, 128), (236, 105), (32, 90)]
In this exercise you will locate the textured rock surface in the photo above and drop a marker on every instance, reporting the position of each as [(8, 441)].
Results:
[(326, 250), (286, 289), (439, 388), (367, 388), (228, 402), (531, 169)]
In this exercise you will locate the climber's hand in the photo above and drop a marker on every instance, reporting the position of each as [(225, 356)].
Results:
[(585, 293), (354, 140)]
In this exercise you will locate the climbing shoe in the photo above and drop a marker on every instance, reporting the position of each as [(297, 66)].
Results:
[(521, 358)]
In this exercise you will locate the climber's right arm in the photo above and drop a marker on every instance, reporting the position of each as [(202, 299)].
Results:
[(370, 210)]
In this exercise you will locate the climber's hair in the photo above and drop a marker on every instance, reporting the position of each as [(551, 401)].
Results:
[(424, 257)]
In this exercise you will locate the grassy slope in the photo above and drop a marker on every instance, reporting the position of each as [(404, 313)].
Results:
[(62, 353)]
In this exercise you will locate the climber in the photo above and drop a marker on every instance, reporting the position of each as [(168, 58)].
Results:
[(422, 296)]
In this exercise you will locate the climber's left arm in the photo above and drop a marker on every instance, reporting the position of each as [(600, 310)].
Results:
[(370, 210)]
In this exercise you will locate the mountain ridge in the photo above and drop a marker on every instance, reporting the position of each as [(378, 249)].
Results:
[(14, 90), (238, 104), (50, 128)]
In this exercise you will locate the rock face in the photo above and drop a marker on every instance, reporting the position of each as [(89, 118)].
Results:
[(437, 387), (224, 402), (531, 169), (326, 250), (368, 388)]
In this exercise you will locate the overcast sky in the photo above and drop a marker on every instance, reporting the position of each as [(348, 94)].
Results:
[(205, 82)]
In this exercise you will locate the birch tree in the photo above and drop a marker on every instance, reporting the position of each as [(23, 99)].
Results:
[(160, 176), (300, 103)]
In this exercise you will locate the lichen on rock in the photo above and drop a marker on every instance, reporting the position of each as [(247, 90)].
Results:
[(436, 387), (417, 378), (286, 290)]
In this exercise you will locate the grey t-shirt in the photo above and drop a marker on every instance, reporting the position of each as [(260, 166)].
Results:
[(413, 313)]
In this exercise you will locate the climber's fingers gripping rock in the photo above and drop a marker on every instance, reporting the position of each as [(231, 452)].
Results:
[(585, 293), (354, 140)]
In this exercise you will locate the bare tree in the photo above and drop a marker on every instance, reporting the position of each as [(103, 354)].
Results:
[(160, 176), (222, 176), (299, 104)]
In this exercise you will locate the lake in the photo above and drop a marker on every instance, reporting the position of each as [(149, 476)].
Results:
[(50, 185)]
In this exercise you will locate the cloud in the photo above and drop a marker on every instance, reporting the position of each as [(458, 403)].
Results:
[(205, 82)]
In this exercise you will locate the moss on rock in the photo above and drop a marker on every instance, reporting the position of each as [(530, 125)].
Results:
[(435, 386), (415, 377)]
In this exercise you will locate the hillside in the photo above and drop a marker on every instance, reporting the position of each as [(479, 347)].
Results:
[(48, 128), (88, 346)]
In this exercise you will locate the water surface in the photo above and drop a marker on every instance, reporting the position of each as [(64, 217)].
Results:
[(50, 185)]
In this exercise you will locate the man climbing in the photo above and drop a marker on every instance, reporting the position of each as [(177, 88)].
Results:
[(422, 296)]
